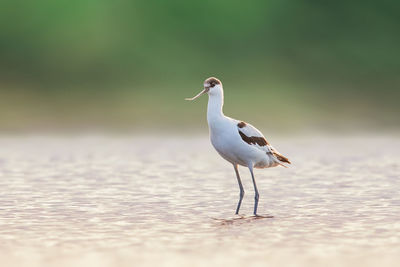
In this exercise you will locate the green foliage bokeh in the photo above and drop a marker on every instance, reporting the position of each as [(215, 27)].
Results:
[(343, 50)]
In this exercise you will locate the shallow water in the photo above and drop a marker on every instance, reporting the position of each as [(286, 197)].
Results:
[(118, 201)]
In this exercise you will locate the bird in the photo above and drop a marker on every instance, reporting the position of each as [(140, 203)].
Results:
[(236, 141)]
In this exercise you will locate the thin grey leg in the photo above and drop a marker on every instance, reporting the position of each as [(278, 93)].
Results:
[(256, 196), (240, 186)]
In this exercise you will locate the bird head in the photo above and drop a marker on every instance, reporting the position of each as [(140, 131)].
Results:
[(211, 86)]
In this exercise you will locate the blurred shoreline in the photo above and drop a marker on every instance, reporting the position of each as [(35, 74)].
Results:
[(273, 108)]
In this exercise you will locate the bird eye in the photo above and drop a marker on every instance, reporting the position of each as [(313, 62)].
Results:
[(212, 84)]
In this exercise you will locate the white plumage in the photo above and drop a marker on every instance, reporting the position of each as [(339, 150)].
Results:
[(236, 141)]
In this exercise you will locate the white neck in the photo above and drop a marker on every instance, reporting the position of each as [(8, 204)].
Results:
[(215, 103)]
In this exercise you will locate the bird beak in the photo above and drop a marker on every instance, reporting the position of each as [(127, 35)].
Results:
[(200, 94)]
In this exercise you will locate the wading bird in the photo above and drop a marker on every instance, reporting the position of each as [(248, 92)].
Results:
[(236, 141)]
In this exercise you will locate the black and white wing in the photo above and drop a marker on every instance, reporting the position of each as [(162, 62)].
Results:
[(254, 137)]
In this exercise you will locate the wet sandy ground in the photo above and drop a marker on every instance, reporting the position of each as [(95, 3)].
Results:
[(129, 201)]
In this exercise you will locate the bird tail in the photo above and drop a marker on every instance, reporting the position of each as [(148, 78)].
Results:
[(278, 156), (281, 157), (282, 165)]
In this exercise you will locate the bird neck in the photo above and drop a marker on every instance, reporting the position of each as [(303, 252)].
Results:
[(215, 104)]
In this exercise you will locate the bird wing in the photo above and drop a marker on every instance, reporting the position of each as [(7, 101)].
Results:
[(252, 136)]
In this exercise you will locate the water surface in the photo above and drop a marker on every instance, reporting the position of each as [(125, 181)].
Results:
[(169, 201)]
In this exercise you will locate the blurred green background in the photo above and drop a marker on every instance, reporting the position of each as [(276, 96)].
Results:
[(128, 65)]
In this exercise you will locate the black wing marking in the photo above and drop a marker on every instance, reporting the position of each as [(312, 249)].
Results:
[(241, 124), (252, 140)]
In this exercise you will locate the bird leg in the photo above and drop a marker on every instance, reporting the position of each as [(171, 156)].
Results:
[(235, 166), (256, 196)]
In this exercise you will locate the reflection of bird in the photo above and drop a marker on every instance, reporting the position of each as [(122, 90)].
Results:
[(236, 141)]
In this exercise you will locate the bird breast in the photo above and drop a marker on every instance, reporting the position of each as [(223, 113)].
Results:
[(226, 141)]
